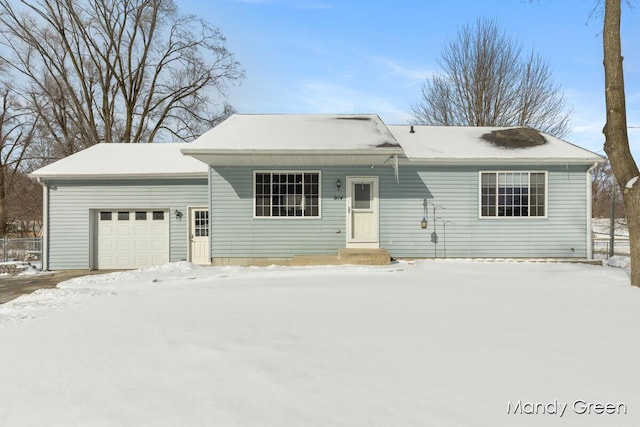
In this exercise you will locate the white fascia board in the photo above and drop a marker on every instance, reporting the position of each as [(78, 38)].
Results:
[(294, 158), (119, 176), (214, 152), (506, 161)]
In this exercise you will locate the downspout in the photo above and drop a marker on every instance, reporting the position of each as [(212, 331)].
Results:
[(45, 225), (589, 212)]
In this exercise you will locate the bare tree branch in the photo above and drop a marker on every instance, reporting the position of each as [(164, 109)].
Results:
[(115, 70), (486, 80), (17, 129)]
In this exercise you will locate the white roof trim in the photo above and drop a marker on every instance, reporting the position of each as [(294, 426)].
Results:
[(115, 176)]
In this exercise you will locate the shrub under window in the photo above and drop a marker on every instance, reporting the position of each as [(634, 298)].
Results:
[(513, 194), (287, 194)]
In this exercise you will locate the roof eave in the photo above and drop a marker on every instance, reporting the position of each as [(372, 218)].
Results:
[(254, 152), (158, 175), (275, 158), (510, 160)]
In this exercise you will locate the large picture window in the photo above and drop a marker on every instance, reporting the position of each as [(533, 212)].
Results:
[(513, 194), (287, 194)]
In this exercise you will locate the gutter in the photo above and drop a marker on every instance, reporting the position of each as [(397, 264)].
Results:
[(288, 152), (158, 175), (504, 160), (45, 225), (589, 211)]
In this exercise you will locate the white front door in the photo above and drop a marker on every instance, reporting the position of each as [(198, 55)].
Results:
[(362, 212), (199, 236)]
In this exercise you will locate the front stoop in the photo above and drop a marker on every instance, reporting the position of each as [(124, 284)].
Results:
[(345, 256), (364, 256)]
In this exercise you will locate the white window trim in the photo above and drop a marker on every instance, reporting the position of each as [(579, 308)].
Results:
[(287, 171), (517, 218)]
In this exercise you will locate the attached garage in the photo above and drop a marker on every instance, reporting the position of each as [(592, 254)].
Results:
[(131, 238), (125, 206)]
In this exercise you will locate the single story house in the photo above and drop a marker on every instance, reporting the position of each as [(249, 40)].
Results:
[(270, 188)]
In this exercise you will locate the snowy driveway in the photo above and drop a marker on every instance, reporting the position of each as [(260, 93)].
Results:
[(435, 343), (13, 287)]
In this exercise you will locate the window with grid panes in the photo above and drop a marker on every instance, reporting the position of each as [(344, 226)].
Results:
[(201, 223), (287, 194), (513, 194)]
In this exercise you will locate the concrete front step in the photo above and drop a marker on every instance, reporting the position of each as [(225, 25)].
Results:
[(364, 256), (302, 260), (345, 256)]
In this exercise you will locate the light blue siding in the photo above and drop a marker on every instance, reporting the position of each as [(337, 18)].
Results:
[(235, 233), (70, 205), (563, 233)]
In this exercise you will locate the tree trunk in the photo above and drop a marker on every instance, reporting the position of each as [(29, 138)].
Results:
[(3, 205), (615, 130)]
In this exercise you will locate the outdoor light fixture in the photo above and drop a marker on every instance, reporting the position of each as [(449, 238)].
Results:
[(338, 184), (424, 222), (178, 214)]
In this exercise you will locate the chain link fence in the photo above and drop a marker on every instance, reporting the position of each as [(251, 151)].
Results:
[(601, 245), (602, 237), (22, 249)]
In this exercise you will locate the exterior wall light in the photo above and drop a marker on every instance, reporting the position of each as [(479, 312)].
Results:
[(178, 215), (424, 222), (338, 184)]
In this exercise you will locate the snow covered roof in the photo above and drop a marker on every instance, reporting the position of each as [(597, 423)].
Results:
[(312, 132), (124, 161), (467, 144), (312, 140), (271, 139)]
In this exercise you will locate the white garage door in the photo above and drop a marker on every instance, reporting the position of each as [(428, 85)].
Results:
[(132, 239)]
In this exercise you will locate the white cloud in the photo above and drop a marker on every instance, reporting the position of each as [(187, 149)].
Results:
[(395, 68), (328, 97)]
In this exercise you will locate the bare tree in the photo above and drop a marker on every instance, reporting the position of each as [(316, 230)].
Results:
[(616, 143), (602, 184), (24, 207), (17, 127), (487, 80), (116, 70)]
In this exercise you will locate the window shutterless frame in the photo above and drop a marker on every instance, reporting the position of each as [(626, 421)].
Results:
[(301, 198), (496, 174)]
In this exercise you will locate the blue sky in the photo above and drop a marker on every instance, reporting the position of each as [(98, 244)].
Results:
[(357, 56)]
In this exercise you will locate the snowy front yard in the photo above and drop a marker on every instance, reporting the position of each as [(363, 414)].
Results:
[(435, 343)]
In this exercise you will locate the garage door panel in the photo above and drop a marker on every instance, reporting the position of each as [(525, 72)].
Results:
[(157, 260), (123, 230), (141, 245), (143, 230), (128, 240), (157, 245)]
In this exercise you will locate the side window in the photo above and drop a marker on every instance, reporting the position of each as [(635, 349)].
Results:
[(513, 194)]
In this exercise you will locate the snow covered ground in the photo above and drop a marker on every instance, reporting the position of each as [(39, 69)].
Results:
[(23, 268), (601, 234), (431, 343)]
